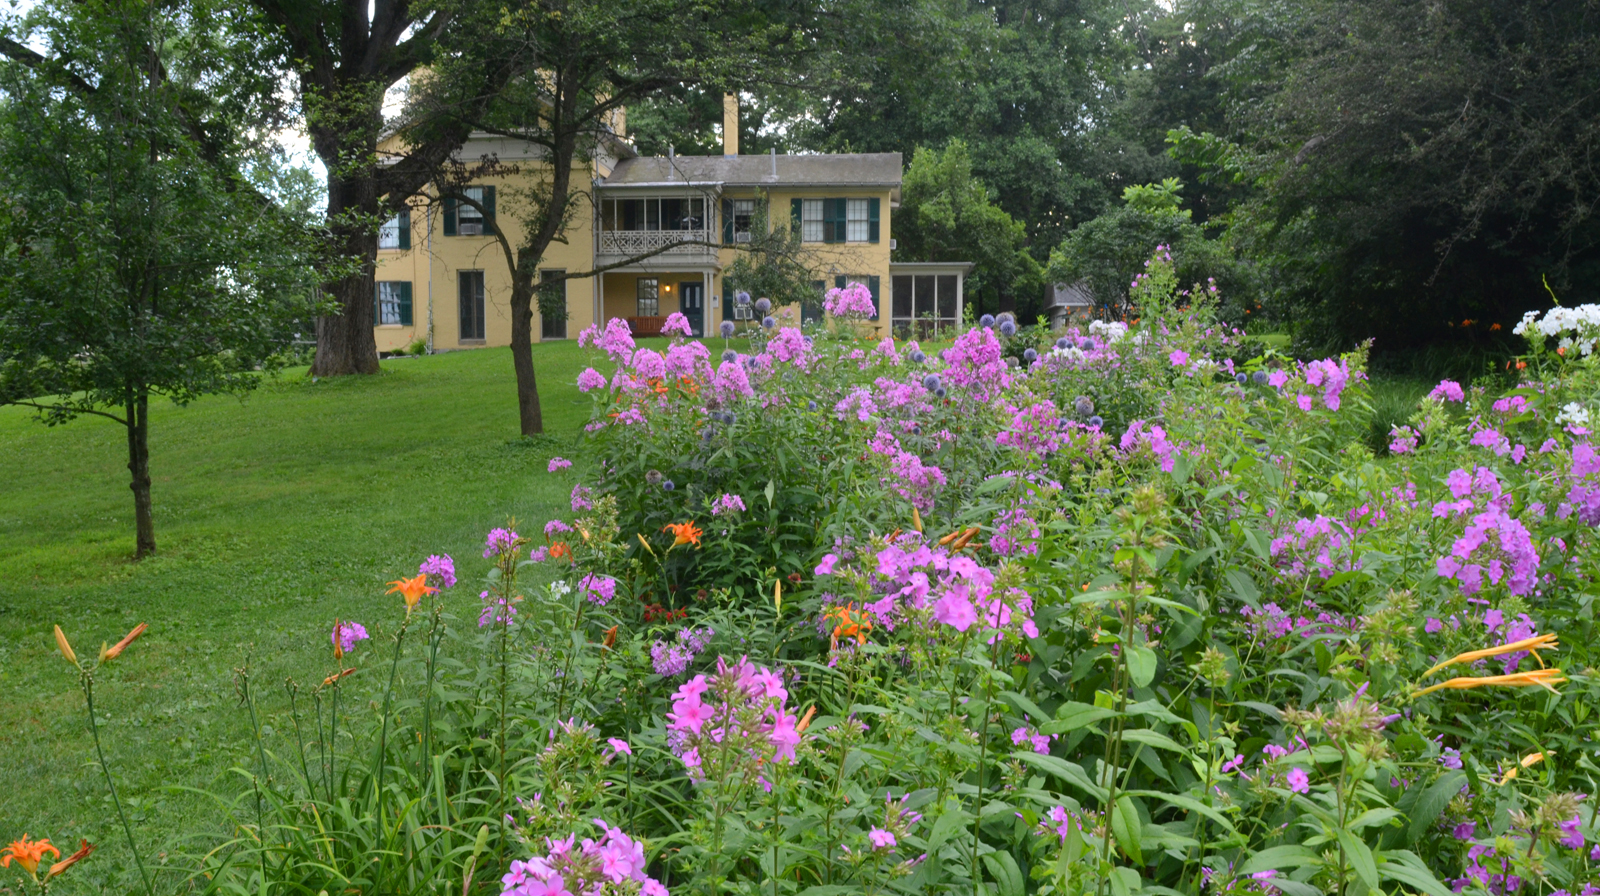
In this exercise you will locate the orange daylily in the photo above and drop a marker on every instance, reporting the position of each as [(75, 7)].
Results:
[(111, 653), (336, 676), (412, 590), (559, 550), (684, 533), (611, 637), (1532, 645), (28, 853), (69, 861), (849, 624), (805, 720), (1544, 678)]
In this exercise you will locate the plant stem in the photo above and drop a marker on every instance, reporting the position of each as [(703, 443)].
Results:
[(105, 769), (388, 696)]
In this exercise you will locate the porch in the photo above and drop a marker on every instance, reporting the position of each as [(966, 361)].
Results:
[(645, 298)]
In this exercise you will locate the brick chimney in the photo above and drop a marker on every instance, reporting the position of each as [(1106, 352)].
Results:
[(730, 124)]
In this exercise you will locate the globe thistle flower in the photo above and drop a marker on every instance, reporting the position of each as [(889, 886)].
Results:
[(1087, 345), (768, 322), (811, 405), (940, 392), (1030, 355), (1084, 405), (1008, 328), (763, 305), (666, 485), (726, 329), (653, 477), (917, 357), (1259, 377), (741, 298), (931, 382), (730, 418), (986, 321), (1096, 422), (729, 355), (1241, 379)]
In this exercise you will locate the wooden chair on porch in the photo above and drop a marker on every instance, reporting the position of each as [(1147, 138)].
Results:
[(646, 326)]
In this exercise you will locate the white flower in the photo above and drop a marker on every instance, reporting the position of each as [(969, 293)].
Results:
[(1573, 413)]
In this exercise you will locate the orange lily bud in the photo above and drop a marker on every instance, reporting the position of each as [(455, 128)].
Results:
[(805, 720), (117, 648), (69, 861), (1544, 678), (1532, 645), (611, 637), (916, 519), (949, 538), (336, 676), (65, 647)]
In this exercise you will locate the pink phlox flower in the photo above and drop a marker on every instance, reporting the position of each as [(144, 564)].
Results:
[(676, 325), (1299, 781), (881, 839), (557, 463), (1448, 390)]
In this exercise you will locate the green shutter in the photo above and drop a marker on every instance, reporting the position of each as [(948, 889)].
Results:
[(797, 213), (727, 222), (840, 220), (377, 312), (449, 217), (405, 302), (872, 287), (488, 210), (405, 227), (840, 281), (872, 220)]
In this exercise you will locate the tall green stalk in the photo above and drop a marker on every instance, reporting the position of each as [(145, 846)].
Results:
[(87, 679)]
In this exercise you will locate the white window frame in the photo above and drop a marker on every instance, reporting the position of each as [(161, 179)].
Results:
[(857, 217), (811, 220), (389, 303), (389, 234), (468, 217), (746, 209)]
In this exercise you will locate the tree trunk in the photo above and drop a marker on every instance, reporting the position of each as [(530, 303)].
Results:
[(532, 418), (345, 342), (138, 424)]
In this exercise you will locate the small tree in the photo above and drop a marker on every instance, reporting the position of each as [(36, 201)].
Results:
[(773, 264), (947, 214), (130, 266)]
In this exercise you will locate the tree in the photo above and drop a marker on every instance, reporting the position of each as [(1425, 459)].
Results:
[(947, 214), (346, 55), (1422, 167), (133, 262), (1104, 254), (589, 61)]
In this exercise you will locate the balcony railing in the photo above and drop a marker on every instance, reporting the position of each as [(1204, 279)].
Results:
[(639, 242)]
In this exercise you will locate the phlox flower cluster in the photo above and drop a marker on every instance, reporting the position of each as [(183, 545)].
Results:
[(598, 589), (499, 541), (727, 503), (898, 821), (731, 723), (853, 302), (1035, 430), (1273, 622), (590, 380), (1153, 440), (1015, 532), (731, 383), (1584, 494), (616, 340), (1448, 390), (440, 570), (1331, 377), (1494, 544), (676, 325), (1320, 545), (1578, 328), (912, 576), (789, 346), (976, 364), (346, 634), (1031, 736), (671, 659), (496, 611), (613, 865)]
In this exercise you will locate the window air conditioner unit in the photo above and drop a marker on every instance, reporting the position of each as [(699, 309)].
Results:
[(893, 244), (743, 237), (742, 312), (470, 229)]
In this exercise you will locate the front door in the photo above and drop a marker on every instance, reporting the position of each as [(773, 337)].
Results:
[(692, 298)]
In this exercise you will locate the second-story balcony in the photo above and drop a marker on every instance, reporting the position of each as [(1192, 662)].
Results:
[(698, 244)]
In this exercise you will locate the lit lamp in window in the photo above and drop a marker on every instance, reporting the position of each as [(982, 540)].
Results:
[(667, 288)]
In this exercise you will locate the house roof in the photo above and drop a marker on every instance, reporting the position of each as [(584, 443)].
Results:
[(877, 169)]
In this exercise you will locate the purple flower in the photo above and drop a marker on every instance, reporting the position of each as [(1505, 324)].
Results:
[(956, 611), (582, 498), (441, 568), (1178, 358), (881, 839), (590, 380), (1571, 837), (600, 589), (558, 463), (498, 542), (1448, 390), (1433, 626), (619, 746), (676, 325), (1465, 830), (825, 568), (1299, 781), (346, 634), (1450, 758), (555, 527), (728, 503)]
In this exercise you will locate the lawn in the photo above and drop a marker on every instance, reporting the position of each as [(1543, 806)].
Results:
[(274, 515)]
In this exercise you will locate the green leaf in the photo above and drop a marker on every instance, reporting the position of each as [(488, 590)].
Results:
[(770, 491), (1071, 716), (1432, 802), (1404, 866), (1141, 666), (1360, 858), (1186, 802), (1153, 739), (1278, 858), (952, 819), (1125, 827), (1003, 868), (1024, 705), (1061, 768)]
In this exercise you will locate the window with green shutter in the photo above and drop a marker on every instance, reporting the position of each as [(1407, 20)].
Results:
[(461, 219), (391, 303), (396, 232), (872, 219)]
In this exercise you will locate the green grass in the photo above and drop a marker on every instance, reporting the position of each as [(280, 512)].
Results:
[(274, 515)]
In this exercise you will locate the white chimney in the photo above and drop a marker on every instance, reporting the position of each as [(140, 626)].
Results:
[(730, 124)]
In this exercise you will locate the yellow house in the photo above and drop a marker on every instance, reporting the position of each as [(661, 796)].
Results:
[(442, 278)]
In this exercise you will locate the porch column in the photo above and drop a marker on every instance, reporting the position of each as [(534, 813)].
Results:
[(710, 325), (600, 300)]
